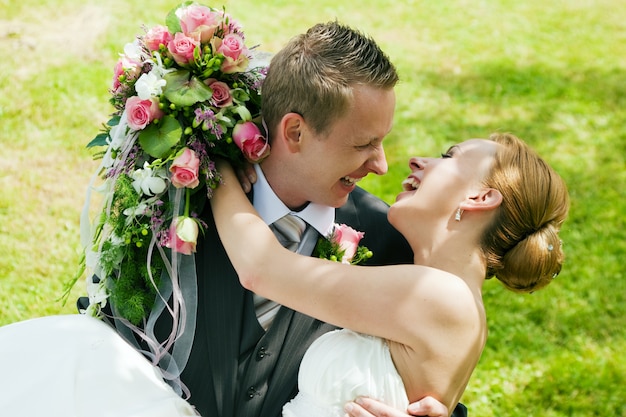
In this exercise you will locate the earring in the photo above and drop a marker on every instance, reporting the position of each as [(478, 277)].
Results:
[(458, 214)]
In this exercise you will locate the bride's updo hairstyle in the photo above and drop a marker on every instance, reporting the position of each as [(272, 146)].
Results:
[(522, 246)]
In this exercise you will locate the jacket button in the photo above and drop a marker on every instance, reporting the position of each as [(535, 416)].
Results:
[(262, 353), (252, 392)]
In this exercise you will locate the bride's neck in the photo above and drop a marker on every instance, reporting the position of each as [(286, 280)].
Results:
[(455, 255)]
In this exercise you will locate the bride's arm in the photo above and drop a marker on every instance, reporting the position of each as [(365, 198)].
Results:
[(380, 301), (429, 315)]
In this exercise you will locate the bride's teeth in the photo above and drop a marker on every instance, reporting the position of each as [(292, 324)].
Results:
[(410, 184)]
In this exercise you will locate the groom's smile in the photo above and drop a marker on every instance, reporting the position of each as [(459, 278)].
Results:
[(350, 181)]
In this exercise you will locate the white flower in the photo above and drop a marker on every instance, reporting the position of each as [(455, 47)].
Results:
[(141, 209), (149, 85), (133, 50), (97, 292), (97, 297), (157, 66), (148, 181)]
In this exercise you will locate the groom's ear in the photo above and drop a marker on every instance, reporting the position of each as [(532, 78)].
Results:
[(292, 126), (482, 200)]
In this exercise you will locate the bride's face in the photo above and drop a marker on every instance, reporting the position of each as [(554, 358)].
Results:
[(435, 187)]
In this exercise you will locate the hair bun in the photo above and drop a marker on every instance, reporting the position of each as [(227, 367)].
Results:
[(534, 262)]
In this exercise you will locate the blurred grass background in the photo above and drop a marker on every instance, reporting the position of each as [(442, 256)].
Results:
[(552, 72)]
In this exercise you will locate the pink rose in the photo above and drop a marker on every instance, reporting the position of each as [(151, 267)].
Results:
[(183, 235), (185, 169), (234, 51), (126, 67), (221, 93), (157, 36), (181, 47), (348, 240), (141, 112), (232, 45), (199, 22), (252, 143)]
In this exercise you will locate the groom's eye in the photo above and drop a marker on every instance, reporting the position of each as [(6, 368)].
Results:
[(364, 146)]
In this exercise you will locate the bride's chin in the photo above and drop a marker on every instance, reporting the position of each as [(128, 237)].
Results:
[(404, 195), (392, 214)]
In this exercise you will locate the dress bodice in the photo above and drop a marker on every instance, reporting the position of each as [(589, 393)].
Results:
[(340, 366)]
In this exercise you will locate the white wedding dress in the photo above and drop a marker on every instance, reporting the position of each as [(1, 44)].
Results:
[(75, 366), (340, 366), (78, 366)]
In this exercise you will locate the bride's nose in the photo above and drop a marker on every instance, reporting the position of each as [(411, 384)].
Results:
[(416, 163)]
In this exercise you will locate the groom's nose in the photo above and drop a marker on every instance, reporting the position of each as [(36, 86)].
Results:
[(377, 163)]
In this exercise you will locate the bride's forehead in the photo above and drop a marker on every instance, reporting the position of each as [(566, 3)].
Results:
[(478, 145)]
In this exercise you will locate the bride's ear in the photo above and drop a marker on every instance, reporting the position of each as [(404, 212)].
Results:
[(482, 200)]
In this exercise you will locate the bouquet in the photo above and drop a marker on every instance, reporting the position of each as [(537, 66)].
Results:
[(184, 94)]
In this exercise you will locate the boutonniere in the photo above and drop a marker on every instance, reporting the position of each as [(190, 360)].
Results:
[(342, 245)]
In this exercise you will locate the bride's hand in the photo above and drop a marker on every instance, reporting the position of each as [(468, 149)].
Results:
[(367, 407), (247, 176)]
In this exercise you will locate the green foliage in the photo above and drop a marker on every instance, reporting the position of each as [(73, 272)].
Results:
[(551, 72), (331, 250), (135, 292), (183, 90), (158, 139)]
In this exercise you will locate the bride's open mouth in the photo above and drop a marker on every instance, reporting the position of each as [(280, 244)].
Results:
[(410, 184)]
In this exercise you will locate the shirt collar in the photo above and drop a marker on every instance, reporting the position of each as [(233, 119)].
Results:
[(271, 208)]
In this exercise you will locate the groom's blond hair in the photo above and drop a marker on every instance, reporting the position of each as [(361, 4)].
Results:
[(314, 73)]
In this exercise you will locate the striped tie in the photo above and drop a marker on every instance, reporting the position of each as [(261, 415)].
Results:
[(288, 230)]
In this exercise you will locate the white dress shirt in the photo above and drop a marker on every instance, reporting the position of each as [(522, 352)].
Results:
[(270, 208)]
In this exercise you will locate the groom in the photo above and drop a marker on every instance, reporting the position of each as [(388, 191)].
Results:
[(328, 102)]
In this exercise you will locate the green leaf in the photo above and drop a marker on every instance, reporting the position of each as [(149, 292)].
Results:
[(172, 21), (159, 139), (114, 121), (99, 140), (185, 91)]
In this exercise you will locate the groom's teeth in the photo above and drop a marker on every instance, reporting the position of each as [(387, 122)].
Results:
[(350, 181)]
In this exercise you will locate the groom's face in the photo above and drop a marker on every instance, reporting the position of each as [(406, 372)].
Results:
[(330, 164)]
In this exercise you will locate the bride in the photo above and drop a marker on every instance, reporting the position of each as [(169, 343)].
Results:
[(485, 208)]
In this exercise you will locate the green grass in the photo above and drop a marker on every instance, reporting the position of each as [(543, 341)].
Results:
[(552, 72)]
